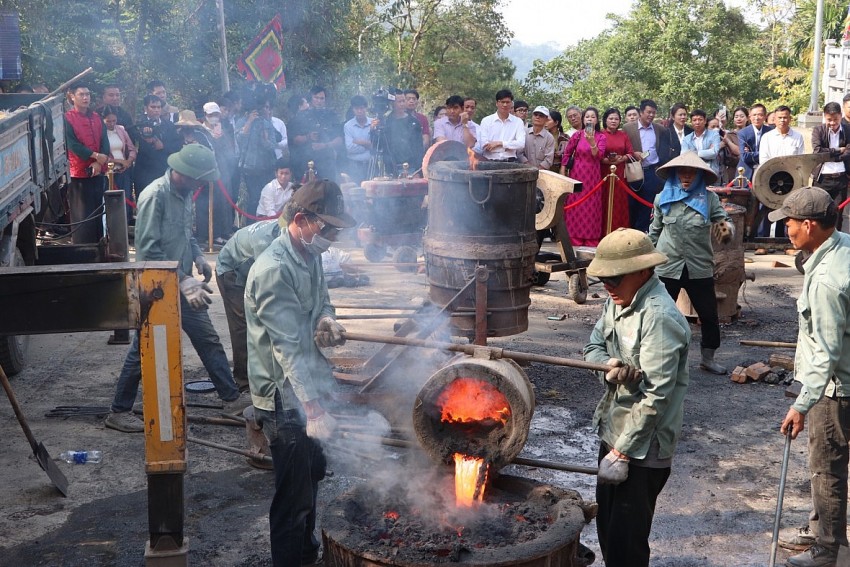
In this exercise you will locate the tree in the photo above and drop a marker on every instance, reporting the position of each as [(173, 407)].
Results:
[(694, 51)]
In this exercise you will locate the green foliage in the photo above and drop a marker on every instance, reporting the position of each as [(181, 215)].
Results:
[(694, 51)]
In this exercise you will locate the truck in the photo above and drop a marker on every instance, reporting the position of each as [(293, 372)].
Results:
[(33, 169)]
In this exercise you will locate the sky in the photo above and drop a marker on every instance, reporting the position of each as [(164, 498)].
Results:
[(565, 22)]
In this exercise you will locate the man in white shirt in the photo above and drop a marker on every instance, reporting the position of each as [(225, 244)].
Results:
[(358, 141), (501, 134), (456, 125), (277, 192), (781, 141)]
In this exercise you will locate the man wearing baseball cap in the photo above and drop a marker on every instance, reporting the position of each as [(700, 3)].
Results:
[(164, 232), (539, 143), (289, 317), (822, 364), (644, 337)]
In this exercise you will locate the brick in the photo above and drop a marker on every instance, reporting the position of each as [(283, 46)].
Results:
[(783, 360), (739, 375), (777, 264), (757, 371)]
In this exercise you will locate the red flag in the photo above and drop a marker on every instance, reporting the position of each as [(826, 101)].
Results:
[(263, 59)]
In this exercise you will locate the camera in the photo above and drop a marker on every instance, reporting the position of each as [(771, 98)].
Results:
[(147, 129), (381, 100)]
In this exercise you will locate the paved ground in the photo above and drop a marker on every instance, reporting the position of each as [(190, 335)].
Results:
[(717, 509)]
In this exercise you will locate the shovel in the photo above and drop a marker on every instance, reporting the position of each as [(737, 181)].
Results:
[(45, 462)]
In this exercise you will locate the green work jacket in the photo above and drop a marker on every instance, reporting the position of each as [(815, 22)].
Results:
[(684, 236), (285, 296), (822, 361), (164, 226), (650, 334), (244, 247)]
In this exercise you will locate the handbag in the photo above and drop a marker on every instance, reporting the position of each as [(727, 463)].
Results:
[(570, 162), (634, 170)]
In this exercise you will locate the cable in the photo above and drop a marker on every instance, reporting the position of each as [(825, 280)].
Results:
[(96, 213)]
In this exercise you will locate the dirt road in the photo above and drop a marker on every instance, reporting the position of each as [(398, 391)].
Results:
[(717, 509)]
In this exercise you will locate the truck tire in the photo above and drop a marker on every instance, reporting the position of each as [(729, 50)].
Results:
[(13, 348)]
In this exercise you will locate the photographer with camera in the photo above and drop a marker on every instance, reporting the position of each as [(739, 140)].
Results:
[(398, 136), (257, 140), (156, 139), (316, 136)]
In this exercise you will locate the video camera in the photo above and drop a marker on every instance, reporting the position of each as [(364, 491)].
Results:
[(381, 100), (148, 129)]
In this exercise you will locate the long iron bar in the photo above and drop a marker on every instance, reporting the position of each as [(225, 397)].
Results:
[(471, 349)]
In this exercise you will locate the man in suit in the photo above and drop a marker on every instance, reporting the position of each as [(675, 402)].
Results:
[(832, 137), (706, 143), (652, 140), (749, 140)]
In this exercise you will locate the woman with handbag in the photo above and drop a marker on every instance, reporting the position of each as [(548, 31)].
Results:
[(586, 149), (619, 153), (122, 153)]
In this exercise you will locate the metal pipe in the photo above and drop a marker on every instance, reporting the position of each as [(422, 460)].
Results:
[(245, 453), (773, 344), (472, 349), (376, 306), (783, 473), (401, 443), (394, 316)]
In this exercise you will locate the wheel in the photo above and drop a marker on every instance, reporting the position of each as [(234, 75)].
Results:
[(407, 257), (577, 287), (540, 278), (374, 252), (13, 349)]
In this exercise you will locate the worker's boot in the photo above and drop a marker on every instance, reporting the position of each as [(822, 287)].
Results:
[(707, 362)]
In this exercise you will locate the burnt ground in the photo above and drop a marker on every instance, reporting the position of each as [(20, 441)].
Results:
[(717, 509)]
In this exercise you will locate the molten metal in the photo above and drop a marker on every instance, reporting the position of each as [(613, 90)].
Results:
[(470, 479), (471, 399)]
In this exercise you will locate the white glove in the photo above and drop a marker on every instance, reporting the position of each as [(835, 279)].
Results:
[(622, 373), (204, 268), (612, 469), (723, 231), (321, 427), (329, 332), (197, 293)]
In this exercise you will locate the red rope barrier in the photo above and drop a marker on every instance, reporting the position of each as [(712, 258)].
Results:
[(732, 183), (586, 196), (634, 195), (237, 209), (131, 203)]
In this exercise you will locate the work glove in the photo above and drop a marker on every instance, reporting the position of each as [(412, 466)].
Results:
[(622, 373), (204, 268), (197, 293), (321, 427), (723, 231), (612, 469), (329, 332)]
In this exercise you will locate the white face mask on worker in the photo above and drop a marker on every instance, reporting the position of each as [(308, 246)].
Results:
[(318, 245)]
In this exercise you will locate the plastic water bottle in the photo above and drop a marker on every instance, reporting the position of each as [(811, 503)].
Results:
[(81, 457)]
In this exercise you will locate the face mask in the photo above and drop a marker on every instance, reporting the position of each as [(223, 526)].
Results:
[(214, 120), (317, 245)]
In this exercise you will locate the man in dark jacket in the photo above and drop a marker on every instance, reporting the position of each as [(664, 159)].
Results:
[(653, 140), (156, 139), (832, 137)]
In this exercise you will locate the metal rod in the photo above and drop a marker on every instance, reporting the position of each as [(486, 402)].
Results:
[(555, 466), (773, 344), (471, 349), (376, 306), (210, 218), (780, 497), (245, 453), (517, 461), (394, 315)]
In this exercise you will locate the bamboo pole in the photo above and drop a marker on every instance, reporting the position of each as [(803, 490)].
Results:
[(772, 344)]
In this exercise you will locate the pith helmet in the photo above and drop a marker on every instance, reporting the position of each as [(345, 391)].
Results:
[(622, 252), (195, 161), (688, 159)]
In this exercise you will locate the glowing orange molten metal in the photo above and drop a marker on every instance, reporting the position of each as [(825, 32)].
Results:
[(470, 399), (470, 478), (473, 159)]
